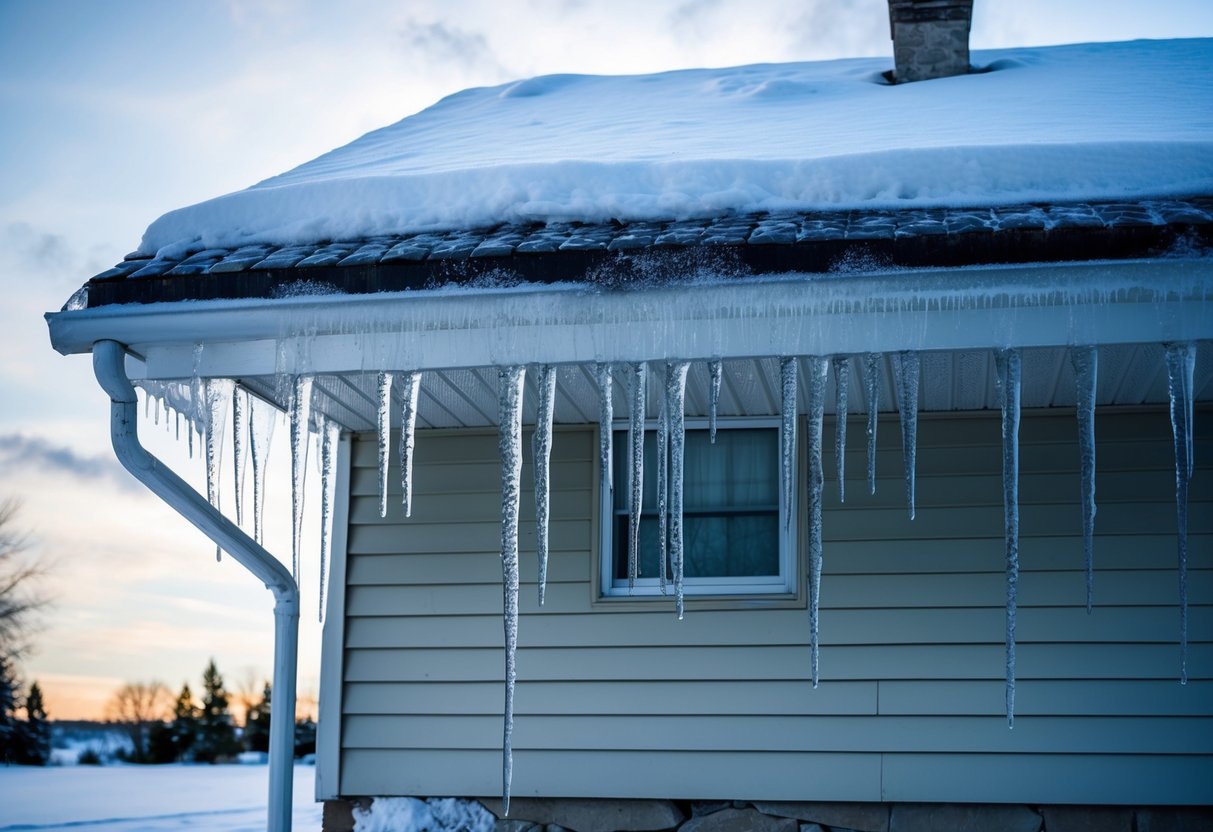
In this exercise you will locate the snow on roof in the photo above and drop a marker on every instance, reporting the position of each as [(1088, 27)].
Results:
[(1068, 123)]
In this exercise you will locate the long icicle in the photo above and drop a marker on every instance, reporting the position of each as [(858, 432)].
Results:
[(301, 410), (606, 417), (217, 393), (541, 451), (240, 417), (1086, 370), (663, 484), (872, 364), (408, 433), (329, 437), (787, 433), (676, 390), (262, 419), (842, 378), (383, 425), (636, 468), (907, 403), (1181, 370), (716, 372), (1007, 363), (818, 370), (509, 446)]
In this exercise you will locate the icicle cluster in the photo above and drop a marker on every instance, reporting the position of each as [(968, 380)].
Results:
[(261, 421), (1008, 366), (541, 451)]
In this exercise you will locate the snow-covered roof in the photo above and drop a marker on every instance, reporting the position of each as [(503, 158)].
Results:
[(1076, 123)]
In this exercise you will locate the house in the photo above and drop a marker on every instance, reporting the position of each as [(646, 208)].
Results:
[(990, 265)]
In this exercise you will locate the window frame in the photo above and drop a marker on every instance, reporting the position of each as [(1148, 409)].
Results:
[(784, 587)]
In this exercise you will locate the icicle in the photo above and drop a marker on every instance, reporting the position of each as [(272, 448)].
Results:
[(675, 394), (605, 418), (1086, 368), (330, 436), (872, 360), (663, 483), (157, 411), (842, 378), (1181, 370), (541, 450), (509, 445), (787, 432), (383, 422), (177, 420), (262, 418), (408, 432), (198, 404), (217, 392), (907, 403), (239, 432), (714, 369), (818, 370), (636, 468), (301, 409), (1007, 363)]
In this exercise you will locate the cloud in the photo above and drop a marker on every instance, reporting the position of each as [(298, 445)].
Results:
[(444, 44), (20, 451)]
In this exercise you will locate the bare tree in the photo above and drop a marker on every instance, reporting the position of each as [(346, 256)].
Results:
[(248, 692), (19, 599), (137, 706)]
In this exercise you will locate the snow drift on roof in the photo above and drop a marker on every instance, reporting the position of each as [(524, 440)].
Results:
[(1082, 122)]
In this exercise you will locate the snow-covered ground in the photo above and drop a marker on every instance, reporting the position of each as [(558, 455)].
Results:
[(1062, 123), (147, 798)]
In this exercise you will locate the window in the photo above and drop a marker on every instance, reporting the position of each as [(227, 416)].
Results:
[(737, 539)]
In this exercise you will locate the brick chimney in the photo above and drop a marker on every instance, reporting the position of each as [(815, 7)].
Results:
[(930, 38)]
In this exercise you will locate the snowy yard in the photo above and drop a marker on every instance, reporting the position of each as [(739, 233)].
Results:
[(147, 798)]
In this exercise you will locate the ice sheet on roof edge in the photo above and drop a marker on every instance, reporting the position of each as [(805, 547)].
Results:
[(1069, 123), (200, 400)]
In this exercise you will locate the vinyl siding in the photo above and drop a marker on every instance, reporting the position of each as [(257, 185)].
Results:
[(625, 701)]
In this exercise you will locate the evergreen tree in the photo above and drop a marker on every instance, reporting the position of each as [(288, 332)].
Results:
[(216, 734), (185, 725), (257, 724), (8, 710), (35, 733)]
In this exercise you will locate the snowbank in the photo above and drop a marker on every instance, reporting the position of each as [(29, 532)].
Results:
[(1081, 122), (393, 814)]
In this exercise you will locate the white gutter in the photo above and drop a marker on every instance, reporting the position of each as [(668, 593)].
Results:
[(109, 367), (1131, 301)]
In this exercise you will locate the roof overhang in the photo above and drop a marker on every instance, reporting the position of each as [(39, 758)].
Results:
[(1115, 302)]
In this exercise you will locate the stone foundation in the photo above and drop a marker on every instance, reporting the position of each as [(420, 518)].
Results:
[(601, 815)]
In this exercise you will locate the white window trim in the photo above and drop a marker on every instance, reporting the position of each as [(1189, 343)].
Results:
[(784, 584)]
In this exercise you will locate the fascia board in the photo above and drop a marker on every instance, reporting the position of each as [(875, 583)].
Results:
[(1111, 302)]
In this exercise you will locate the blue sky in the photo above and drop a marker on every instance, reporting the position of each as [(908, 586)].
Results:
[(114, 113)]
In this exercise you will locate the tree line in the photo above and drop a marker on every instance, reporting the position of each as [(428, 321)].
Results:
[(23, 739), (197, 731)]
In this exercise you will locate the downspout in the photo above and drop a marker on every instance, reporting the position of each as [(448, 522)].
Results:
[(110, 369)]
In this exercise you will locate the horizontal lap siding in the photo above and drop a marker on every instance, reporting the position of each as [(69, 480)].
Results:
[(627, 702)]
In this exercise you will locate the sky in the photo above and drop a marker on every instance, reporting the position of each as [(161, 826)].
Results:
[(113, 113)]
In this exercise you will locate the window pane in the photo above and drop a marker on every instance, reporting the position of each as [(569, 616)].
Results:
[(730, 505)]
